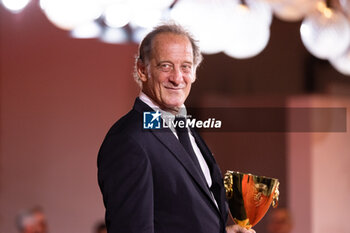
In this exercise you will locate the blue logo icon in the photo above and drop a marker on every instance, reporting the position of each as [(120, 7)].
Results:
[(151, 120)]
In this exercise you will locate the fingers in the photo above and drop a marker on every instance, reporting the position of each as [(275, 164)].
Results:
[(238, 229), (251, 231)]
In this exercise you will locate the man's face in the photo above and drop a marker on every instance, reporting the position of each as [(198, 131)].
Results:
[(170, 72)]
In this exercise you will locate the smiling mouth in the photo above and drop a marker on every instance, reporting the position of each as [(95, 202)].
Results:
[(174, 88)]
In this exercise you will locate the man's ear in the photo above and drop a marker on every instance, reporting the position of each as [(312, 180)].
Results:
[(194, 78), (141, 70)]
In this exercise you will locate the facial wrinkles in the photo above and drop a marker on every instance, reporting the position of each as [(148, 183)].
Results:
[(169, 87), (151, 82), (174, 82), (180, 53), (160, 93), (170, 83), (177, 79)]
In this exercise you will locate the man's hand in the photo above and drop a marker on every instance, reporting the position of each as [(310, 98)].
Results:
[(238, 229)]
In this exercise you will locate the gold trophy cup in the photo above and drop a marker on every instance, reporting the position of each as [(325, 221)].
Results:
[(249, 196)]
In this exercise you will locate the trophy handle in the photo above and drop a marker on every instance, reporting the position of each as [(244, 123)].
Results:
[(228, 183), (276, 196)]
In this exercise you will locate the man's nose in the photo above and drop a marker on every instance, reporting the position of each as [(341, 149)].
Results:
[(176, 76)]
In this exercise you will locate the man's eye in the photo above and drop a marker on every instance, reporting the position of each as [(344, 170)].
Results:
[(165, 67), (186, 68)]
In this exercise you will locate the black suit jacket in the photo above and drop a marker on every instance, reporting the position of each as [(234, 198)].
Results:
[(150, 184)]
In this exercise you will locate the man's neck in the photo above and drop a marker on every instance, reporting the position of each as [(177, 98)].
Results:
[(176, 111)]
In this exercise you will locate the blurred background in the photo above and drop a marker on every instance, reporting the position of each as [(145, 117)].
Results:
[(66, 77)]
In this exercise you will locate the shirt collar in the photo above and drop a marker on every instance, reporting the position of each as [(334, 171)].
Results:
[(155, 107), (165, 115)]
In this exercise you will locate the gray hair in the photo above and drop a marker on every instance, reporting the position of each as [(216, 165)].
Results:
[(145, 47)]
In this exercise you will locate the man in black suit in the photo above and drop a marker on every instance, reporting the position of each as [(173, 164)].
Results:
[(162, 180)]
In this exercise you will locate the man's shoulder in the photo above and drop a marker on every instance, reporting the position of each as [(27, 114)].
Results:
[(132, 122), (129, 124)]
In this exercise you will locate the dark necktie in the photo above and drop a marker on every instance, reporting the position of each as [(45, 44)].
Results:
[(182, 133)]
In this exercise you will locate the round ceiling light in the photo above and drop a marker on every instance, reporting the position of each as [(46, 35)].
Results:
[(325, 33), (342, 63), (248, 30), (293, 10), (68, 14), (15, 5)]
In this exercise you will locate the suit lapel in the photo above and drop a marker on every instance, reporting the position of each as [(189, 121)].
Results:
[(217, 180), (168, 139)]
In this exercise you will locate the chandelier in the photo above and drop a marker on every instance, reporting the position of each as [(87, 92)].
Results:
[(238, 28)]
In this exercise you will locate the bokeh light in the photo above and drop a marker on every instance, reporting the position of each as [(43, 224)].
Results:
[(87, 30), (248, 32), (325, 34), (15, 5), (68, 14), (114, 36), (293, 10), (342, 63), (117, 14)]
